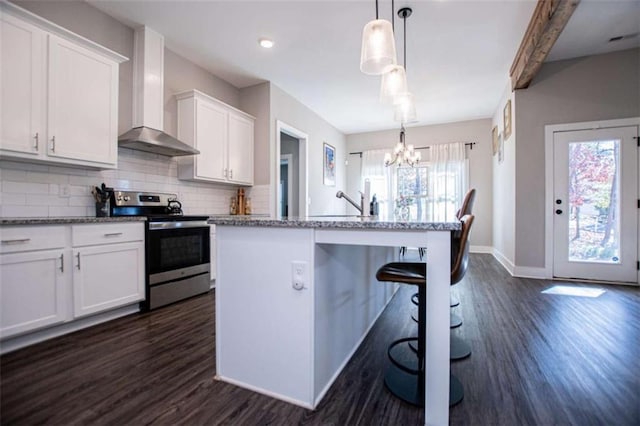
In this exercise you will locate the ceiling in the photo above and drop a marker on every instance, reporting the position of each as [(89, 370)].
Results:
[(458, 52)]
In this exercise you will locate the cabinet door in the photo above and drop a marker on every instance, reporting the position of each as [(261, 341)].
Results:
[(211, 136), (22, 74), (33, 291), (240, 149), (106, 277), (82, 106)]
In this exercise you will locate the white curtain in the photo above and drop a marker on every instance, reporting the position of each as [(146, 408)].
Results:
[(381, 178), (448, 180)]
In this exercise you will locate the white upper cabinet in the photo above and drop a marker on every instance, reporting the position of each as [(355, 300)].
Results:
[(59, 94), (83, 104), (22, 67), (222, 134)]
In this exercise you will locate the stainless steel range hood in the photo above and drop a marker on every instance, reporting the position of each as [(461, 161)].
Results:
[(151, 140), (148, 100)]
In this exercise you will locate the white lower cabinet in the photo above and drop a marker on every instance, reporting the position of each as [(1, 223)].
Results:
[(106, 277), (52, 274), (33, 291)]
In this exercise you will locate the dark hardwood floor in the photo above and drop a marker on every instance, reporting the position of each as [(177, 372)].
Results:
[(537, 359)]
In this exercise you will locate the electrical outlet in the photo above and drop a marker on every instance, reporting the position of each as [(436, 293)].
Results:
[(298, 275), (65, 191)]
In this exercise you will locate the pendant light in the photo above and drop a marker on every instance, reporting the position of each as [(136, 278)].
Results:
[(378, 51), (394, 81), (405, 107), (402, 154)]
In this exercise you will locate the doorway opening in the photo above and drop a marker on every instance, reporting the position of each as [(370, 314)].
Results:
[(291, 172)]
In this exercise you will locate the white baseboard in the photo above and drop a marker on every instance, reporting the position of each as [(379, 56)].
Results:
[(18, 342), (502, 259), (530, 272), (265, 392), (481, 249)]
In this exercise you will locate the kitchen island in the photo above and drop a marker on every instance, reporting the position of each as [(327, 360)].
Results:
[(296, 297)]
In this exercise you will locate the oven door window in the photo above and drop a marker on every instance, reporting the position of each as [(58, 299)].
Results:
[(172, 249)]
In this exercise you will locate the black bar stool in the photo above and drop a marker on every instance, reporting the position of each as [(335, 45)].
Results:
[(406, 375)]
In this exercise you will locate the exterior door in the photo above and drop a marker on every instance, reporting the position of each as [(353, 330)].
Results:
[(595, 204)]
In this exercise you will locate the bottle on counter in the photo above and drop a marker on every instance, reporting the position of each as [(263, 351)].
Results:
[(241, 201), (247, 205), (233, 207), (373, 206)]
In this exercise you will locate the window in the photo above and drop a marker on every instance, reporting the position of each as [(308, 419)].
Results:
[(412, 190)]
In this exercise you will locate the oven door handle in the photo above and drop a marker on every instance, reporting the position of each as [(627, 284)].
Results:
[(159, 226)]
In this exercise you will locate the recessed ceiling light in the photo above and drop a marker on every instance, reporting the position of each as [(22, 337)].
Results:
[(266, 43)]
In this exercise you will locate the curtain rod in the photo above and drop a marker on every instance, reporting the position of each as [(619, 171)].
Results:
[(469, 144)]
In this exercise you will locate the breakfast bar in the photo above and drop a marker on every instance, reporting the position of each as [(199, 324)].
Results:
[(296, 297)]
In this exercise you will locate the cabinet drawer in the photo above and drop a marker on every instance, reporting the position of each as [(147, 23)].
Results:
[(88, 235), (14, 239)]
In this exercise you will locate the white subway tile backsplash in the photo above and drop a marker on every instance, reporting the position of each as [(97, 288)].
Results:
[(24, 187), (34, 190), (24, 211), (58, 211)]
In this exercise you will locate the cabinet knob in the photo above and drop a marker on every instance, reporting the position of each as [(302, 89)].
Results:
[(558, 211)]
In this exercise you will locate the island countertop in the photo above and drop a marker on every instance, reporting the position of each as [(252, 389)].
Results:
[(346, 222)]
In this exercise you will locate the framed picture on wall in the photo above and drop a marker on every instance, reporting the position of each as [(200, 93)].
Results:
[(329, 165), (495, 142), (507, 120)]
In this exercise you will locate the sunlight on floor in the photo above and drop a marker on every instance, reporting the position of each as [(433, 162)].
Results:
[(568, 290)]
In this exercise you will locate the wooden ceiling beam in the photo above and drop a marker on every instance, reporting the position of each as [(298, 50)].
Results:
[(547, 22)]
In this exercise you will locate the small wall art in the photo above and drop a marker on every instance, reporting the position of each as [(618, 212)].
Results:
[(329, 165), (507, 120), (495, 142)]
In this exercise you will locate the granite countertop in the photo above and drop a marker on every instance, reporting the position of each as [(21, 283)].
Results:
[(67, 220), (343, 222)]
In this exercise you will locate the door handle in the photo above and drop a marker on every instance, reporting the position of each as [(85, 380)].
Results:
[(113, 234), (78, 256), (558, 211), (230, 173), (16, 241), (53, 144), (36, 137), (62, 262)]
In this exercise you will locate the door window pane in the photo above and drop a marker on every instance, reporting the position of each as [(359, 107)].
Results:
[(594, 202)]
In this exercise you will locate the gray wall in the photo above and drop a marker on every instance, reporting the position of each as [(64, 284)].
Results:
[(480, 171), (596, 87), (256, 100), (290, 111)]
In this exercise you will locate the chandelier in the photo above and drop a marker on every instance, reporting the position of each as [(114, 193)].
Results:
[(402, 153)]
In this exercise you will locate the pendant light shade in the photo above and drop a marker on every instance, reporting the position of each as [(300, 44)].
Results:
[(394, 82), (405, 108), (378, 47)]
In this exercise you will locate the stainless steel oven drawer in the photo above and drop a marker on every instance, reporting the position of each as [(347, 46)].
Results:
[(164, 294)]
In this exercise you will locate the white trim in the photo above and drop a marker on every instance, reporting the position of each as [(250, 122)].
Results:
[(303, 178), (22, 341), (265, 392), (529, 272), (549, 130), (506, 263), (481, 249)]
